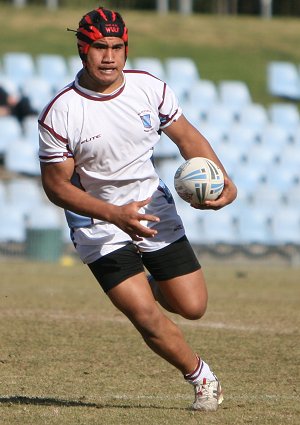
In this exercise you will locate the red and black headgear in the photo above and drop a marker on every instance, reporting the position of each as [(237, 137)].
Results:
[(97, 24)]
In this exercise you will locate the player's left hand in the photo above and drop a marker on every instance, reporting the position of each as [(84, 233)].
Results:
[(227, 196)]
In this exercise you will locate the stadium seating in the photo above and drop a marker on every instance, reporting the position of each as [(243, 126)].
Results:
[(17, 187), (267, 195), (45, 216), (191, 219), (18, 67), (52, 68), (254, 116), (152, 65), (22, 157), (202, 95), (74, 65), (9, 85), (283, 80), (285, 115), (286, 226), (10, 130), (258, 145), (2, 194), (165, 149), (243, 137), (181, 75), (39, 91), (254, 226), (274, 137), (221, 117), (30, 129), (235, 95), (219, 227), (12, 224)]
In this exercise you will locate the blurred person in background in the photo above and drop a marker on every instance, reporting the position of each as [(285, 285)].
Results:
[(17, 106), (96, 144)]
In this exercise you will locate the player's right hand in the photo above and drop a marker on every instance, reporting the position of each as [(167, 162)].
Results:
[(128, 218)]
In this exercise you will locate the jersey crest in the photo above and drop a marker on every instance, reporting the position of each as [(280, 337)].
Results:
[(146, 120)]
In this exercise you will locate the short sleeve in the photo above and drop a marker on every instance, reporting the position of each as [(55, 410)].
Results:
[(169, 109), (53, 141)]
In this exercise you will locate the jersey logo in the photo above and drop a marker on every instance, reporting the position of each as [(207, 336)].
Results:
[(91, 139), (146, 120)]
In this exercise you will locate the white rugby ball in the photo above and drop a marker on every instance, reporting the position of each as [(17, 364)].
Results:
[(198, 179)]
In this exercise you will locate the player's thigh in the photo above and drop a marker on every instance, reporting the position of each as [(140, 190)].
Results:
[(134, 298), (180, 278), (186, 294)]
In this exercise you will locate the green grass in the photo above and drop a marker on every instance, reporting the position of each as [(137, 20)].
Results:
[(67, 356), (222, 47)]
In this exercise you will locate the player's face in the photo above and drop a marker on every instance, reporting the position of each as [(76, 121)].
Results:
[(105, 62)]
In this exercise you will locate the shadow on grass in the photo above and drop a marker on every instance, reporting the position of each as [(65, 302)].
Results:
[(48, 401)]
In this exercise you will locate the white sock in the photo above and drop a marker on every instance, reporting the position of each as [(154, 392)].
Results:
[(202, 371)]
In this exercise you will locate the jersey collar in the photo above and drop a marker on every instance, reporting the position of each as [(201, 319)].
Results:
[(95, 95)]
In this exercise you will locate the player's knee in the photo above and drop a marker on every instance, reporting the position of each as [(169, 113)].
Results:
[(194, 310), (147, 320)]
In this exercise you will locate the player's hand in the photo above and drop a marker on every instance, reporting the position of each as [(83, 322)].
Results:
[(128, 218), (227, 196)]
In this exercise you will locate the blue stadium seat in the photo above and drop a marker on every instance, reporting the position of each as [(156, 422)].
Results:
[(283, 80), (254, 226), (30, 128), (267, 195), (150, 64), (230, 155), (191, 219), (39, 92), (219, 227), (285, 115), (165, 148), (213, 134), (286, 225), (9, 85), (24, 194), (52, 68), (254, 116), (263, 155), (181, 74), (74, 65), (10, 130), (275, 137), (167, 168), (18, 67), (3, 195), (285, 177), (246, 177), (221, 117), (243, 137), (290, 156), (21, 156), (12, 224), (292, 196), (45, 216), (234, 95), (202, 95)]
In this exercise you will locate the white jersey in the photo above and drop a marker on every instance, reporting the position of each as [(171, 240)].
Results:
[(111, 138)]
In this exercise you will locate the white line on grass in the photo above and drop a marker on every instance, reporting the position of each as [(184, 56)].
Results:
[(46, 315)]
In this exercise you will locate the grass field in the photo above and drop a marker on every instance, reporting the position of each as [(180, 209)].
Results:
[(67, 356), (222, 47)]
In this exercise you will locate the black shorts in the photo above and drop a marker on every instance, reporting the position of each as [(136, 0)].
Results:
[(174, 260)]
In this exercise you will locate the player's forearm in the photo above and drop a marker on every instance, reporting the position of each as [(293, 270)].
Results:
[(74, 199), (201, 148), (191, 142)]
